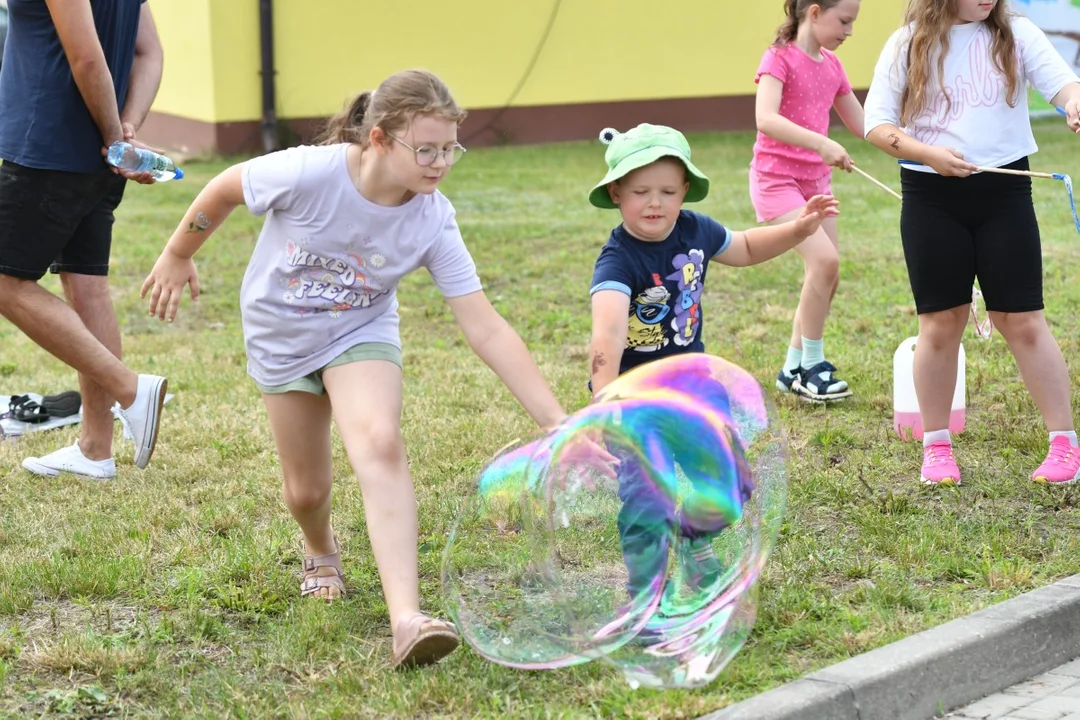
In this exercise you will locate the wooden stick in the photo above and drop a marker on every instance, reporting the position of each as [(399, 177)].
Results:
[(880, 184), (1003, 171), (1006, 171)]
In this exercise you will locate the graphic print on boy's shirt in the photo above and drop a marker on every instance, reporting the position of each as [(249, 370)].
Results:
[(650, 328), (688, 271), (645, 332)]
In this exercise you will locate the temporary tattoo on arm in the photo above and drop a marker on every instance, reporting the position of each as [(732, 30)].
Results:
[(895, 140), (598, 362), (199, 224)]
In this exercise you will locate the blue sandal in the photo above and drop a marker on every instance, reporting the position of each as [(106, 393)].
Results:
[(786, 379), (821, 384)]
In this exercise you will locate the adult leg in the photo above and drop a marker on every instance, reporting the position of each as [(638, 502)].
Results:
[(89, 296), (83, 266), (58, 329), (46, 216)]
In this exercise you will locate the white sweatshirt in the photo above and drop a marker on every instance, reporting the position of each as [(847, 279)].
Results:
[(980, 123)]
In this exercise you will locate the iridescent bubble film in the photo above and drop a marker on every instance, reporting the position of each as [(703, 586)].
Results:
[(634, 532), (497, 580)]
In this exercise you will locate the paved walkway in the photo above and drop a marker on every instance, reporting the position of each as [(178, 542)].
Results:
[(1052, 696)]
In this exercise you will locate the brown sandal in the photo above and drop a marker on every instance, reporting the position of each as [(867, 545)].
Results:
[(312, 582), (430, 640)]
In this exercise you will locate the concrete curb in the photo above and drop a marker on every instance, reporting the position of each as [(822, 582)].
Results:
[(925, 675)]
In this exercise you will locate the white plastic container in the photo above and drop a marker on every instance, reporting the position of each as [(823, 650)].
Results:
[(907, 421)]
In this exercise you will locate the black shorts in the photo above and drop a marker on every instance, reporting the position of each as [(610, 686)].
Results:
[(957, 229), (58, 220)]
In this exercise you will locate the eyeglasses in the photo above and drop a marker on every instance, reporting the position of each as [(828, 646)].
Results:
[(426, 154)]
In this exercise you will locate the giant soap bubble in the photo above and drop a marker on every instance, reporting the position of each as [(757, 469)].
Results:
[(648, 561)]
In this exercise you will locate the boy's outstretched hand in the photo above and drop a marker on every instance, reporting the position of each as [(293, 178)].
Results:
[(817, 209), (582, 460), (587, 449)]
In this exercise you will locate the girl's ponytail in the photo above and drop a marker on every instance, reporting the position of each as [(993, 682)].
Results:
[(345, 126), (790, 27)]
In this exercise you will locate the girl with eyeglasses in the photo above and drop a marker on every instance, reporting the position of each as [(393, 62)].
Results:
[(346, 220)]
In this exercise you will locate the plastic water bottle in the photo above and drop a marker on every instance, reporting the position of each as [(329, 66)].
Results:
[(907, 421), (128, 157)]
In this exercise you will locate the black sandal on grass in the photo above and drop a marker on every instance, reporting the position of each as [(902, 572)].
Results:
[(23, 409), (30, 412)]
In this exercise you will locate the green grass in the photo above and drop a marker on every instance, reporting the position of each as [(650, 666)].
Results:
[(172, 592), (1038, 102)]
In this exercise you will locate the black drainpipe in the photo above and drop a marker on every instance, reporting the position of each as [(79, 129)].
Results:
[(266, 42)]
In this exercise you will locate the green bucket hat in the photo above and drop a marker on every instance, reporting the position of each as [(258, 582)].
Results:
[(642, 146)]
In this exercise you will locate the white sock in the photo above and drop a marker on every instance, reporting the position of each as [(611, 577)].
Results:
[(936, 436), (813, 352), (794, 359), (1071, 434)]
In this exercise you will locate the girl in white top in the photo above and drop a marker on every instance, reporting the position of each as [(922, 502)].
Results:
[(346, 220), (948, 95)]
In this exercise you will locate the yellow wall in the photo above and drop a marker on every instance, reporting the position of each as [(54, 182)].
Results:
[(598, 50), (187, 86)]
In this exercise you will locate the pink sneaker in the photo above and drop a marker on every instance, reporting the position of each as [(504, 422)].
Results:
[(1062, 464), (939, 465)]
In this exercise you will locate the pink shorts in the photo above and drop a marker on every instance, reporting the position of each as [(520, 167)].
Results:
[(774, 195)]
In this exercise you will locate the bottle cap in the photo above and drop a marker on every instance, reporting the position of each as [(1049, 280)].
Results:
[(179, 174)]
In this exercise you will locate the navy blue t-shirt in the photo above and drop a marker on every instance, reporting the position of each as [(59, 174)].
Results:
[(44, 122), (664, 281)]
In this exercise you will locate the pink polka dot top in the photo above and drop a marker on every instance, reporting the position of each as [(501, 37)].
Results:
[(810, 89)]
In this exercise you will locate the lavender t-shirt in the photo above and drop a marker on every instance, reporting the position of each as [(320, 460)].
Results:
[(325, 270)]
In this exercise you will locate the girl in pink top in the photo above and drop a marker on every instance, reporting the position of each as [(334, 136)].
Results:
[(799, 81)]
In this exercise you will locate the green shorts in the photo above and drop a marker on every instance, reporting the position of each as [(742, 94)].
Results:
[(313, 383)]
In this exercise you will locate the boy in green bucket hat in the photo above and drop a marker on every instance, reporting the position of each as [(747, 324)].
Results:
[(646, 305), (648, 280)]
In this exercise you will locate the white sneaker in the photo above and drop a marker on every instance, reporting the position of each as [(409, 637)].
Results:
[(144, 416), (71, 459)]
